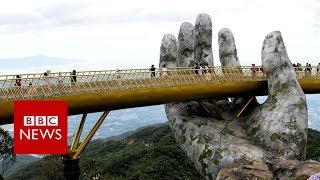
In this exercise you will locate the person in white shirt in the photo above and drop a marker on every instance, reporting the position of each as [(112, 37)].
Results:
[(60, 80), (200, 70), (164, 70)]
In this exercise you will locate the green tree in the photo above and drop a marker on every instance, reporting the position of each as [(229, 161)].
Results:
[(7, 158)]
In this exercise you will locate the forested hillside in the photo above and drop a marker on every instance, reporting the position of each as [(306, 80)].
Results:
[(150, 153)]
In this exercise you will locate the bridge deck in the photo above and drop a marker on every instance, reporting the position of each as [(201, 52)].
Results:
[(97, 91)]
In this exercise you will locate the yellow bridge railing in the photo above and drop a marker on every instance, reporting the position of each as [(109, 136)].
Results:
[(39, 86)]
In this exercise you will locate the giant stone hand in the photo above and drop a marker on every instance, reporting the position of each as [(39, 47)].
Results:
[(269, 137)]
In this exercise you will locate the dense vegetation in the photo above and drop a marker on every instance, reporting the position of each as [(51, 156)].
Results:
[(151, 153), (313, 146), (7, 158)]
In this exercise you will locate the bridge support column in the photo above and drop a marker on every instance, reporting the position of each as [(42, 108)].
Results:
[(204, 106), (71, 167), (245, 106)]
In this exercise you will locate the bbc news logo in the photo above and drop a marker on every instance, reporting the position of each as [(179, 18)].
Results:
[(40, 127), (36, 134)]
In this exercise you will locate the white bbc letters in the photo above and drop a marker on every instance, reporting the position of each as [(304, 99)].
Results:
[(40, 120)]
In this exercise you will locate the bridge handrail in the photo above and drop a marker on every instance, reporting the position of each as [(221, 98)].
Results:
[(117, 80)]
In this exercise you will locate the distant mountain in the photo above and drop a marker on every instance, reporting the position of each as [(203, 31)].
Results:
[(22, 162)]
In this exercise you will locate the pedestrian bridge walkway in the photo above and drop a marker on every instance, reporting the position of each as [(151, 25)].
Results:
[(97, 91)]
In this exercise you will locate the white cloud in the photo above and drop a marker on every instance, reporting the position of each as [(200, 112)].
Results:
[(124, 33)]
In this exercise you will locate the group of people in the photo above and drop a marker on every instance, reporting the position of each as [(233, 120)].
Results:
[(164, 70), (307, 69), (48, 79), (201, 69), (256, 70), (198, 70)]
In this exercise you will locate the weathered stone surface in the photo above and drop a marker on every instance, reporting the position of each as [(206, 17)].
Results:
[(186, 45), (210, 143), (283, 170), (228, 149), (228, 57), (203, 41), (168, 51), (281, 122), (227, 48), (258, 170)]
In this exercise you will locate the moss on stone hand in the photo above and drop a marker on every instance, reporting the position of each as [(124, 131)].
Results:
[(205, 154), (279, 39), (274, 137), (254, 130), (301, 104), (168, 57)]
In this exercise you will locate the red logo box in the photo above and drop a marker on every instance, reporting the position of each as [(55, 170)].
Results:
[(40, 127)]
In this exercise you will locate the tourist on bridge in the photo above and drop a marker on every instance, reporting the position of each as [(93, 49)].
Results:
[(18, 84), (306, 70), (309, 70), (263, 71), (18, 81), (164, 70), (60, 80), (254, 70), (153, 71), (73, 76), (200, 70), (118, 76), (206, 69), (47, 79), (300, 70), (206, 72), (295, 67), (197, 69)]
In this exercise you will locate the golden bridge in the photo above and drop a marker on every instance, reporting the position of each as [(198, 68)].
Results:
[(97, 91)]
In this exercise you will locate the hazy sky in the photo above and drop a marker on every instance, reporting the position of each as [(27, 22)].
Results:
[(126, 33)]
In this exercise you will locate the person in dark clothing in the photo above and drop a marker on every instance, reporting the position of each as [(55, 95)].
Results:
[(73, 76), (18, 80), (153, 71), (309, 70), (197, 69)]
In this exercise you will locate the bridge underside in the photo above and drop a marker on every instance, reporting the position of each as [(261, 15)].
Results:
[(107, 101)]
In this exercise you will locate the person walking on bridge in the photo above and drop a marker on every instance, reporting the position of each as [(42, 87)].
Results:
[(18, 81), (254, 70), (47, 82), (73, 77), (153, 71), (18, 84), (164, 70), (197, 69)]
